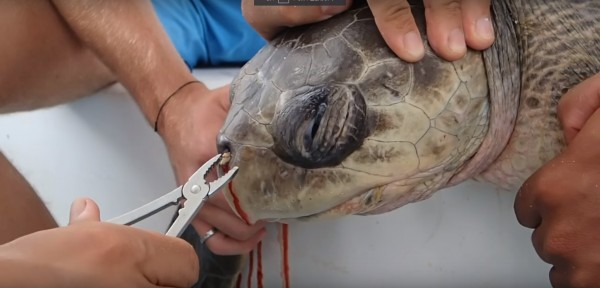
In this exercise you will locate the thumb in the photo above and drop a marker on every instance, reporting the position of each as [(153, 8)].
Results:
[(84, 210), (577, 106)]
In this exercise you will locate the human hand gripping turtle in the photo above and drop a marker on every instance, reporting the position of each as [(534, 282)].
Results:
[(446, 22), (452, 25), (561, 201), (189, 150)]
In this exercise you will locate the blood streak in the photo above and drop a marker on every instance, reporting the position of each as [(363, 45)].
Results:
[(250, 269), (236, 200), (244, 216), (284, 239), (285, 269), (238, 283), (259, 273)]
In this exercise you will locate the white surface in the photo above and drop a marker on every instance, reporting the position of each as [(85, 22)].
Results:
[(101, 147)]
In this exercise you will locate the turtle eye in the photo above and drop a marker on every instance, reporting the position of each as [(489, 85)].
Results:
[(318, 126), (314, 124)]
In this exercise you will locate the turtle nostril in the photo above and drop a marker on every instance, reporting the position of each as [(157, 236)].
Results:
[(223, 144)]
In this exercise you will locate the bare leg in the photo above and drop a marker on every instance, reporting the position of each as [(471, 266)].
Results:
[(42, 64), (22, 210)]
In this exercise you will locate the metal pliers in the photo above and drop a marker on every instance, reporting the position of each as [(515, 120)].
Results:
[(195, 192)]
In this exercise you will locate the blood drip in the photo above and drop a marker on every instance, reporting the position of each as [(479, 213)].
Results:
[(259, 273), (285, 271), (236, 200), (238, 283), (250, 269)]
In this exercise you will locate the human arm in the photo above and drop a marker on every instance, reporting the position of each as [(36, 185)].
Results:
[(90, 253), (452, 25), (561, 201), (130, 40)]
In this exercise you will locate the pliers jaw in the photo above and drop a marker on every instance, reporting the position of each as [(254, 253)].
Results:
[(195, 192), (196, 186)]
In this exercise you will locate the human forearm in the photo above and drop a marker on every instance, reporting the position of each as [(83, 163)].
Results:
[(128, 37)]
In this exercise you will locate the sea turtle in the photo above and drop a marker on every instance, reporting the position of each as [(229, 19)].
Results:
[(326, 121)]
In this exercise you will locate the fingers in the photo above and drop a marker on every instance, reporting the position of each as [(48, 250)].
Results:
[(451, 26), (454, 24), (557, 277), (397, 27), (270, 20), (552, 241), (526, 211), (220, 201), (577, 106), (542, 194), (564, 277), (538, 240), (583, 150), (569, 276), (561, 202), (234, 236), (445, 28), (227, 223), (168, 261), (84, 210), (477, 23), (220, 244), (569, 249)]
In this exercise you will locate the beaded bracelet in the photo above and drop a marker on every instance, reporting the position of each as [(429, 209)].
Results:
[(167, 100)]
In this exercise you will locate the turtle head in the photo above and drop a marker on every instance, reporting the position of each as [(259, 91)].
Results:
[(327, 121), (292, 150)]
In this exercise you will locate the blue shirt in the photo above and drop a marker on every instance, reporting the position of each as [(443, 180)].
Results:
[(208, 32)]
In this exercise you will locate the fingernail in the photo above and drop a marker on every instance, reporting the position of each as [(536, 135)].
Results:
[(77, 208), (413, 44), (484, 28), (456, 41), (333, 9)]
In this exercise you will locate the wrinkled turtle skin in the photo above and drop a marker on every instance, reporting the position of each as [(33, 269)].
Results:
[(326, 121)]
